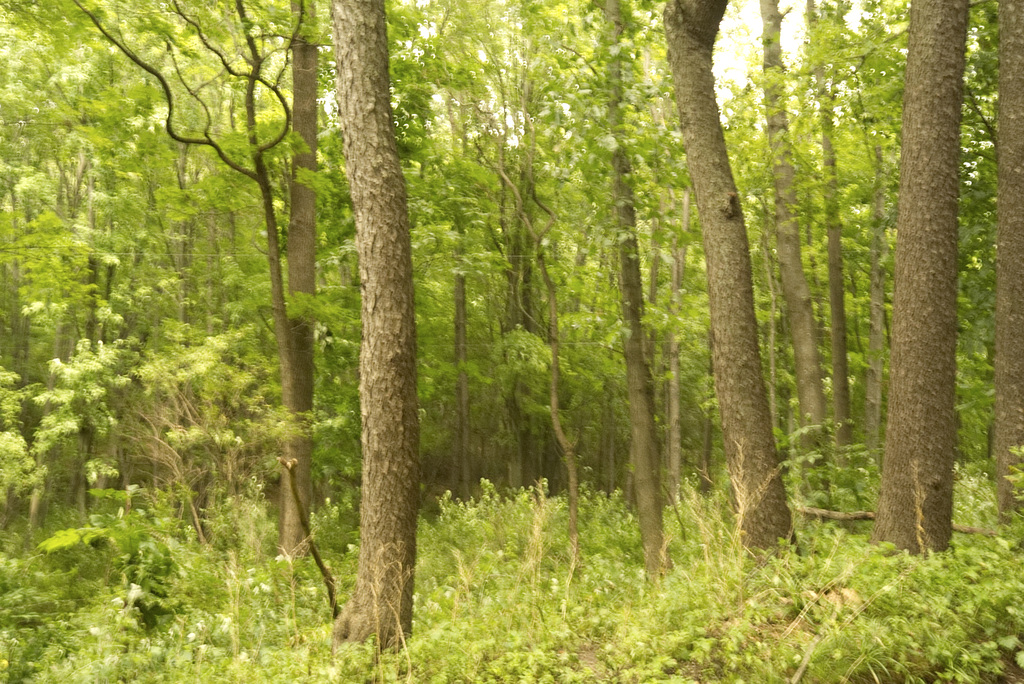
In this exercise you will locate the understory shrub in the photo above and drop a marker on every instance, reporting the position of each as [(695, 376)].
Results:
[(498, 599)]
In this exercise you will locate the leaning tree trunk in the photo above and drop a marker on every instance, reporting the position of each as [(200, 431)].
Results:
[(301, 248), (795, 291), (1009, 361), (644, 454), (915, 505), (382, 601), (690, 27)]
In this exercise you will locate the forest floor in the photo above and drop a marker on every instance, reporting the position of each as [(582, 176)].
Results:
[(133, 597)]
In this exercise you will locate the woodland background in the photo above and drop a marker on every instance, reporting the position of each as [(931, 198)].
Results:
[(143, 411)]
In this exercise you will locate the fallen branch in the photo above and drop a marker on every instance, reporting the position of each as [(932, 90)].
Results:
[(870, 515), (325, 572)]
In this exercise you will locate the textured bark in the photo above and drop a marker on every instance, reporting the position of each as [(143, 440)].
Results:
[(301, 249), (643, 449), (795, 291), (876, 333), (1009, 359), (764, 516), (382, 601), (834, 231), (915, 504)]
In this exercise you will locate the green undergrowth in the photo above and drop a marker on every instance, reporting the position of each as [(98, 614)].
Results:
[(132, 596)]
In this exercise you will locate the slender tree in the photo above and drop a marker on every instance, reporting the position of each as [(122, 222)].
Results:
[(251, 67), (381, 603), (645, 457), (834, 231), (1009, 359), (876, 315), (301, 251), (795, 291), (675, 428), (915, 504), (690, 27)]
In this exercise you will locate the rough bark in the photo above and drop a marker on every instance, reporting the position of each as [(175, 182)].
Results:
[(1009, 359), (915, 504), (644, 453), (381, 603), (691, 26), (795, 291), (301, 249), (876, 333)]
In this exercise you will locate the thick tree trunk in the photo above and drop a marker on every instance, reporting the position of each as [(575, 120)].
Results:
[(1009, 360), (795, 291), (876, 333), (301, 247), (915, 505), (690, 26), (645, 456), (382, 601)]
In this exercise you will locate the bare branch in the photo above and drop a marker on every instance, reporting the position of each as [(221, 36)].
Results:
[(225, 62)]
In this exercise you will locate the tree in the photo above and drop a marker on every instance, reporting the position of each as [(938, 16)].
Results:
[(876, 313), (915, 504), (248, 62), (1009, 352), (645, 457), (834, 230), (301, 250), (381, 603), (795, 291), (690, 28)]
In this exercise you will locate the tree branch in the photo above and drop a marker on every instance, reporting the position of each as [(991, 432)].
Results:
[(824, 514), (325, 572), (168, 96)]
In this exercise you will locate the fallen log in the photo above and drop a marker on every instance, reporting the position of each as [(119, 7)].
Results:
[(826, 514)]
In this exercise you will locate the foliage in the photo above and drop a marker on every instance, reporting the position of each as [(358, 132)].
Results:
[(499, 601), (137, 352)]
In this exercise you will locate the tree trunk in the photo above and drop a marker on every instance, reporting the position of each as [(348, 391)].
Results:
[(567, 446), (795, 291), (834, 228), (463, 461), (1009, 360), (764, 517), (382, 601), (915, 504), (301, 248), (876, 334), (675, 433), (644, 454)]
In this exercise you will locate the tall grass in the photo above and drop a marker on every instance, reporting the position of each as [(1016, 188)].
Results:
[(498, 599)]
